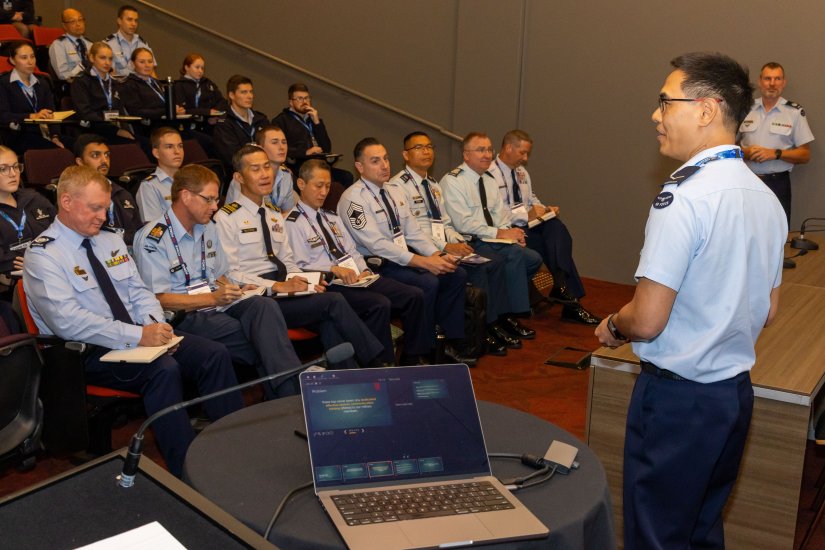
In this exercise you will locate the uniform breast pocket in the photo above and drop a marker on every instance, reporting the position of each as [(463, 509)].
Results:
[(748, 125), (82, 280), (120, 272), (381, 216), (278, 236), (781, 126), (249, 237)]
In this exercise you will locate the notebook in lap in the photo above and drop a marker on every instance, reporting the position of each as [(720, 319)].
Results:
[(408, 441)]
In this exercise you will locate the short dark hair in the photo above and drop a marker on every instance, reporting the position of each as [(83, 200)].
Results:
[(125, 7), (248, 149), (15, 46), (140, 50), (83, 141), (157, 133), (193, 178), (471, 136), (308, 167), (363, 144), (297, 87), (772, 65), (716, 75), (514, 137), (411, 135), (260, 134), (235, 81)]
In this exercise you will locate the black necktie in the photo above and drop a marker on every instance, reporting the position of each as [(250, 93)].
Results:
[(487, 217), (106, 286), (81, 49), (516, 188), (333, 249), (434, 209), (396, 227), (280, 268)]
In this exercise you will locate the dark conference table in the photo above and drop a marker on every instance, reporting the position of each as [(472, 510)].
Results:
[(246, 462)]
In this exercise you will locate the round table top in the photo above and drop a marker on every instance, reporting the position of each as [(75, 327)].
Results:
[(246, 462)]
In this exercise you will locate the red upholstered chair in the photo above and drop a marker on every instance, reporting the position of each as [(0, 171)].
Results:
[(9, 33), (44, 36)]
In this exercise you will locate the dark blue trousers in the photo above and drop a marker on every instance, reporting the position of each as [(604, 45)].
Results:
[(443, 297), (683, 445), (491, 278), (255, 333), (554, 243), (374, 304), (520, 264), (160, 383)]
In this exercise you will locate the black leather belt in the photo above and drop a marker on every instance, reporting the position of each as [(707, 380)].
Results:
[(774, 175), (653, 370)]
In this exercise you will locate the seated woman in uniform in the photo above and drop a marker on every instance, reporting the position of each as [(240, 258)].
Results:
[(144, 95), (24, 213), (96, 96), (197, 94), (25, 96)]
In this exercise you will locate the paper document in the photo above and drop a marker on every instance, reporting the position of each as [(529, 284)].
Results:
[(499, 241), (257, 291), (57, 116), (360, 283), (549, 215), (474, 259), (313, 277), (152, 536), (140, 354)]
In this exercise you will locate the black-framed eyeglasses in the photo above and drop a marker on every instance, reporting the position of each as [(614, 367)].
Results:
[(663, 100), (6, 169), (209, 200), (421, 147)]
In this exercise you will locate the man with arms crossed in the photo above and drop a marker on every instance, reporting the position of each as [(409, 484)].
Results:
[(82, 285), (691, 406)]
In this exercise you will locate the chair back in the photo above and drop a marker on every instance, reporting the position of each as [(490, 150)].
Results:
[(44, 36), (44, 166), (127, 156), (9, 33)]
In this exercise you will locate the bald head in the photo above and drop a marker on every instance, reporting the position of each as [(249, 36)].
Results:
[(73, 22)]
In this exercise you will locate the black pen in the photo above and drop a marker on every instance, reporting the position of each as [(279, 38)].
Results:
[(152, 317)]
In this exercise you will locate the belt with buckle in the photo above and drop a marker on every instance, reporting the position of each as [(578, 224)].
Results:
[(653, 370)]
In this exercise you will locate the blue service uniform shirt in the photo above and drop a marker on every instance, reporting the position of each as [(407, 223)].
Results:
[(368, 223), (463, 203), (783, 127), (65, 299), (122, 52), (154, 195), (282, 196), (65, 57), (504, 178), (159, 264), (308, 251), (716, 239)]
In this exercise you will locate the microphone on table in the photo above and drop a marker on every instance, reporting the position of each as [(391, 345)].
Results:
[(126, 479), (801, 242)]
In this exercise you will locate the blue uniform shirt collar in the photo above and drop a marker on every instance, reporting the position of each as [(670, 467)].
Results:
[(375, 188), (122, 38), (416, 178), (180, 231), (163, 176), (701, 155), (308, 208), (247, 203), (70, 235)]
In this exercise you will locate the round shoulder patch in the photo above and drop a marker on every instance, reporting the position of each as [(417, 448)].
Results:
[(663, 200)]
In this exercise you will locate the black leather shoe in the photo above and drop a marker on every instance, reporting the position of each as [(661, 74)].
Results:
[(577, 314), (511, 325), (457, 356), (494, 347), (562, 295), (502, 336)]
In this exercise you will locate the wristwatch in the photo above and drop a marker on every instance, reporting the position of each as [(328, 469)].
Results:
[(614, 332), (778, 154)]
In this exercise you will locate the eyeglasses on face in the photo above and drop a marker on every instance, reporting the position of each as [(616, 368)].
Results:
[(664, 101), (481, 150), (209, 200), (421, 147), (6, 169)]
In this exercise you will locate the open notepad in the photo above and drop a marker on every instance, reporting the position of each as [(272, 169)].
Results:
[(257, 291), (549, 215), (363, 282), (313, 277), (57, 116), (140, 354)]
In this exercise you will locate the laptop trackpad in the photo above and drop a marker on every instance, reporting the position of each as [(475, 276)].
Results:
[(444, 530)]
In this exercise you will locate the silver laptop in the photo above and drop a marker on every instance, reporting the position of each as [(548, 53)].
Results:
[(399, 460)]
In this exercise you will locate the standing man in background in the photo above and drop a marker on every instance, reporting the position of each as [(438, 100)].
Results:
[(775, 135), (125, 41), (691, 406)]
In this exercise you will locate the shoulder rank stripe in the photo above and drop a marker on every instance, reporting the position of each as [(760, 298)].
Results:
[(293, 216), (272, 206), (405, 177), (230, 207), (156, 234), (456, 172)]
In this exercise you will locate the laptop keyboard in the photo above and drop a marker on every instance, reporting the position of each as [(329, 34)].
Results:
[(420, 502)]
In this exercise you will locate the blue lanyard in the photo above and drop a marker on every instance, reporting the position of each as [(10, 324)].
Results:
[(321, 237), (430, 214), (305, 124), (197, 93), (155, 88), (28, 92), (180, 258), (504, 179), (18, 228), (393, 230), (107, 93), (111, 213), (240, 123), (727, 154)]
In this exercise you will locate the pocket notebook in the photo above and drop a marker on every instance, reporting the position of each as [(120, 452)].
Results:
[(399, 460)]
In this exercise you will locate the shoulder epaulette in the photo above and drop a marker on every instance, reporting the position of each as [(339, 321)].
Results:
[(455, 172), (293, 216), (107, 228), (794, 104), (41, 241), (150, 176), (332, 212), (156, 234), (285, 168), (64, 37), (272, 206), (110, 37), (405, 177), (230, 207)]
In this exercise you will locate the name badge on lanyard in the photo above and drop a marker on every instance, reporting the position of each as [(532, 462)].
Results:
[(7, 5), (349, 262), (437, 228), (20, 245), (399, 240)]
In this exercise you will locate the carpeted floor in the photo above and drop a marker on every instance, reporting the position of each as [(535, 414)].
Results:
[(521, 380)]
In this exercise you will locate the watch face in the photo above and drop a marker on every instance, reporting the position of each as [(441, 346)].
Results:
[(778, 153)]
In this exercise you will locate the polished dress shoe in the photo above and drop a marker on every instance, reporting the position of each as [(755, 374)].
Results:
[(512, 326), (577, 314), (492, 346), (502, 336), (562, 295), (458, 355)]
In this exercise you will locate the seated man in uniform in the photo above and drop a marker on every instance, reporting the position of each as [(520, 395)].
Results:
[(155, 192), (180, 258), (68, 54), (426, 202), (549, 238), (385, 227), (306, 133), (320, 243), (123, 215), (257, 250), (82, 285), (273, 141), (125, 41), (240, 124), (472, 200)]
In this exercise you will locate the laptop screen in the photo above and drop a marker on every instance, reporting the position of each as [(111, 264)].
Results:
[(392, 424)]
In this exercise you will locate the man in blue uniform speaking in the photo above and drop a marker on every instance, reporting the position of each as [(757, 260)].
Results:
[(691, 407)]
